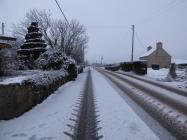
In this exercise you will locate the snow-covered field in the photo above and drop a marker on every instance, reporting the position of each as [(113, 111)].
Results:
[(46, 121), (161, 75), (157, 74)]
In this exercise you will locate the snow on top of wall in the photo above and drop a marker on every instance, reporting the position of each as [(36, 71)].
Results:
[(46, 77), (148, 52), (12, 80), (36, 77)]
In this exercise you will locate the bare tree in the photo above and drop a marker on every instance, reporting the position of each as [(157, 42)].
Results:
[(73, 38), (42, 17), (57, 33)]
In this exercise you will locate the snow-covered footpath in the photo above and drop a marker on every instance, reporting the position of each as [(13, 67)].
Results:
[(46, 121), (118, 120)]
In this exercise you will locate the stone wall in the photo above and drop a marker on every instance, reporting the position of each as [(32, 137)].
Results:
[(15, 99)]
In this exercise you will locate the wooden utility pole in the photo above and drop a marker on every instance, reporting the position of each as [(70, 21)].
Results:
[(83, 56), (132, 54), (3, 28), (101, 60)]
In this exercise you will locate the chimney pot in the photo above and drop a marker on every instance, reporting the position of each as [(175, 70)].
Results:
[(159, 45)]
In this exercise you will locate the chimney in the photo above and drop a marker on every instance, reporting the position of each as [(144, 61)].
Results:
[(149, 48), (159, 45)]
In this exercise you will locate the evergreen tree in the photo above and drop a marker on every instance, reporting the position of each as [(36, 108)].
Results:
[(32, 48)]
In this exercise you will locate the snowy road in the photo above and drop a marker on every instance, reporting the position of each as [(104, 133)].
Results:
[(165, 105), (118, 120), (49, 120)]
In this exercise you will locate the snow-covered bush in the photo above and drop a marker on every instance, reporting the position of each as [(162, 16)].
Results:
[(51, 59), (45, 77), (71, 66), (54, 59)]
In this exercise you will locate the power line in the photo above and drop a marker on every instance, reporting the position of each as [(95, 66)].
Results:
[(161, 11), (139, 40), (167, 7), (62, 12), (114, 27)]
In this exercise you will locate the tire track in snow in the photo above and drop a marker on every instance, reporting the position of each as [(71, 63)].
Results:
[(169, 117)]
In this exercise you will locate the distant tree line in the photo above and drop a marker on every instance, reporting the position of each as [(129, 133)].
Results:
[(58, 34)]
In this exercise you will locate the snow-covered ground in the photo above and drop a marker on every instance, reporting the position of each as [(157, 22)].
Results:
[(157, 74), (161, 75), (118, 120), (46, 121)]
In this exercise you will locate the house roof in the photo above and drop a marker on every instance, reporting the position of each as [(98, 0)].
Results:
[(7, 38), (148, 52)]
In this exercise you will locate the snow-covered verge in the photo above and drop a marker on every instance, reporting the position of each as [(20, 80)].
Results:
[(157, 74), (118, 120), (48, 120), (162, 76)]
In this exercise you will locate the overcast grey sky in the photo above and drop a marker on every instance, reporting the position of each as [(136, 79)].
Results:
[(108, 24)]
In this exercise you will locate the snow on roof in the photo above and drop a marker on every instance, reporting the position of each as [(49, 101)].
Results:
[(148, 52), (7, 38), (179, 61)]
